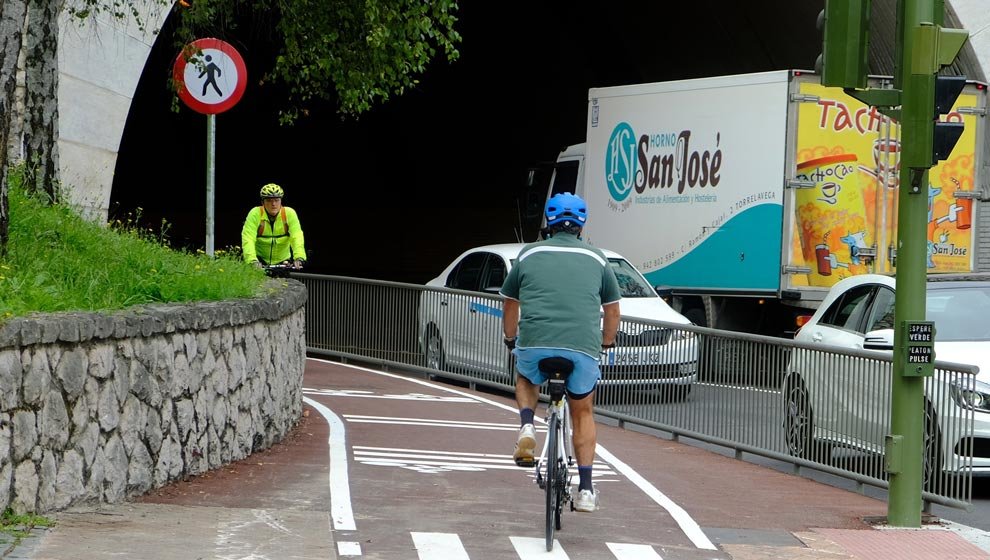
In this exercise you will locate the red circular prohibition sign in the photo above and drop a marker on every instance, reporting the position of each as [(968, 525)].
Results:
[(203, 103)]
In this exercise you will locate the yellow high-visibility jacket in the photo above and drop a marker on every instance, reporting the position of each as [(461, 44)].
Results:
[(272, 240)]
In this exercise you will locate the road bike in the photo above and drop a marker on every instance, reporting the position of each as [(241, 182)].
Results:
[(553, 473)]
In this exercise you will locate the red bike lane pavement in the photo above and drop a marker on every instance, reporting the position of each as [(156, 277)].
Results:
[(429, 475)]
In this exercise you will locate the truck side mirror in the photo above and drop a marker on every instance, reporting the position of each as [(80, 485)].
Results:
[(532, 204)]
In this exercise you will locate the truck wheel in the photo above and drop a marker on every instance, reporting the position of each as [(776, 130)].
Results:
[(697, 316)]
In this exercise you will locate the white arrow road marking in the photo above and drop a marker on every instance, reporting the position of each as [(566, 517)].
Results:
[(439, 546)]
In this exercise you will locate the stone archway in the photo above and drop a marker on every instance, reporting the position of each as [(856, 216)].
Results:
[(100, 63)]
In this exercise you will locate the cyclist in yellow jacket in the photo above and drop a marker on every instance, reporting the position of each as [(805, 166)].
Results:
[(271, 233)]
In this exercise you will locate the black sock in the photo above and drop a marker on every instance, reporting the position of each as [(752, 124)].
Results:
[(585, 474), (526, 415)]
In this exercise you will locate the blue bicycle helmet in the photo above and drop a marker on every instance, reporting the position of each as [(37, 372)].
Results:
[(566, 207)]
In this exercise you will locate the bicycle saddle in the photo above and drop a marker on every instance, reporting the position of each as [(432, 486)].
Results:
[(556, 364)]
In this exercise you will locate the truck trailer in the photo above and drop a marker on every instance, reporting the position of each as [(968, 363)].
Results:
[(745, 197)]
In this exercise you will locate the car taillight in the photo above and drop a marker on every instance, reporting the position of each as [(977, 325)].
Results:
[(800, 321)]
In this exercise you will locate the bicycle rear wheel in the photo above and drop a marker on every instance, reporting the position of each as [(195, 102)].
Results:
[(552, 486)]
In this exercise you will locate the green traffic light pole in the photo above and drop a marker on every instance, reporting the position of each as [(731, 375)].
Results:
[(905, 447), (922, 48)]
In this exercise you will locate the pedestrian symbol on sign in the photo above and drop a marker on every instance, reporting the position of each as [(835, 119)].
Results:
[(211, 71), (210, 75)]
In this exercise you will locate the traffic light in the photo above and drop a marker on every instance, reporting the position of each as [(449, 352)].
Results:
[(845, 26), (929, 47), (946, 134)]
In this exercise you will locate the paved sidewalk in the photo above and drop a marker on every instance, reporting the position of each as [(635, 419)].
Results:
[(937, 541), (170, 532), (271, 505)]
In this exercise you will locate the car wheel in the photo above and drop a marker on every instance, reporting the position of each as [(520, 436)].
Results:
[(799, 423), (434, 350), (932, 465)]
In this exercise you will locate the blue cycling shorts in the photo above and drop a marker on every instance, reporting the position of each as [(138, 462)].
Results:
[(581, 381)]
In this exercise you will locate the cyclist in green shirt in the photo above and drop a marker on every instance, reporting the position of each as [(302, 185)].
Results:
[(554, 297), (271, 232)]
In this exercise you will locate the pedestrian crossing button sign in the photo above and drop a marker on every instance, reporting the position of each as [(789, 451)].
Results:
[(210, 76)]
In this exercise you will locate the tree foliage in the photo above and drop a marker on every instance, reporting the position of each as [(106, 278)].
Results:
[(356, 53)]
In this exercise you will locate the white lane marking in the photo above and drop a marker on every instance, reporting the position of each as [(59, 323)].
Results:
[(432, 462), (439, 546), (415, 422), (430, 422), (340, 489), (625, 551), (369, 449), (688, 525), (370, 395), (481, 459), (423, 468), (528, 547), (437, 466), (348, 548)]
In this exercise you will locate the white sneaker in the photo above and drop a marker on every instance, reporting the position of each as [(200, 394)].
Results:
[(525, 446), (586, 501)]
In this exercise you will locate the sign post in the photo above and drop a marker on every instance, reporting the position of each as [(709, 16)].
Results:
[(211, 77)]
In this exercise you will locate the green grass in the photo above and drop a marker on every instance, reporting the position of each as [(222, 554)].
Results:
[(57, 261), (14, 527)]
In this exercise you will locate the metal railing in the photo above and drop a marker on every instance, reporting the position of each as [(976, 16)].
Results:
[(813, 406)]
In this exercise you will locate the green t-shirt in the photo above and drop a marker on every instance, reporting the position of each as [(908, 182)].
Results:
[(561, 284)]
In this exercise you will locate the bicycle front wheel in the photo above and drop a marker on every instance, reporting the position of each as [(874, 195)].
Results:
[(553, 465)]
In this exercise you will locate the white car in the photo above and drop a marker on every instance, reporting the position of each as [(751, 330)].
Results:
[(461, 331), (839, 401)]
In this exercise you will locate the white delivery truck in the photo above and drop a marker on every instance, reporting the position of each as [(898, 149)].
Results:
[(746, 197)]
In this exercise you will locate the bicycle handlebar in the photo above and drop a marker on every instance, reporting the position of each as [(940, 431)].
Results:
[(280, 270)]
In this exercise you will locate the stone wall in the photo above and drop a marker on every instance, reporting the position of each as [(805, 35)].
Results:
[(100, 407)]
